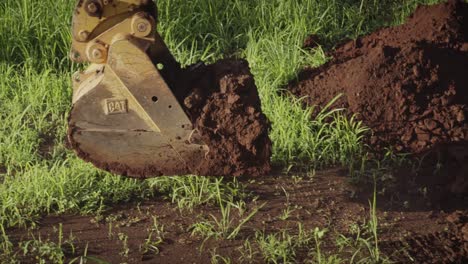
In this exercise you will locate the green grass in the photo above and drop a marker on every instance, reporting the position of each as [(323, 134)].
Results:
[(38, 178), (282, 247), (224, 226), (36, 34), (189, 192)]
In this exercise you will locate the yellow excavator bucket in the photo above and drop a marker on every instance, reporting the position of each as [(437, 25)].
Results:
[(125, 118)]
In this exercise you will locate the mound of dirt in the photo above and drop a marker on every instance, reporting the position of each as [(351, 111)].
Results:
[(408, 83), (224, 105)]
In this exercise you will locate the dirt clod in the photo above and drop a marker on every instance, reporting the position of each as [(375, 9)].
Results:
[(225, 107)]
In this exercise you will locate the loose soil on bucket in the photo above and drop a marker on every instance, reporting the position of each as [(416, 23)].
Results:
[(223, 104)]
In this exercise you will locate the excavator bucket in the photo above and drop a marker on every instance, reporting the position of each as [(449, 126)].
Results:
[(125, 117)]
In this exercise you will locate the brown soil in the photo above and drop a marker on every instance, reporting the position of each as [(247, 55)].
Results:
[(224, 106), (407, 83), (407, 234), (445, 246)]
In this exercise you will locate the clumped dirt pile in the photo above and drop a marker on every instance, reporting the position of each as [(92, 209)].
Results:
[(224, 105), (408, 83)]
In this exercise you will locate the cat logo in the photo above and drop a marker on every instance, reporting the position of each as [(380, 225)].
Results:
[(116, 106)]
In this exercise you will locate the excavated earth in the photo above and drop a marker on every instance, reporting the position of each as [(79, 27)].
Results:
[(407, 83)]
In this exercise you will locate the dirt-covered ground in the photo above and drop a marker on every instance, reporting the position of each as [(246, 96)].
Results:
[(408, 232)]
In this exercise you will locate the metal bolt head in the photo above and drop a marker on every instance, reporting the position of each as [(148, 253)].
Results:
[(83, 35), (92, 7), (97, 54), (142, 27)]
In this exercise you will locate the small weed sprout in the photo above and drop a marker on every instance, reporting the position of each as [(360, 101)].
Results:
[(286, 213), (318, 236), (247, 252), (224, 227), (218, 259), (240, 205), (282, 247), (110, 233), (46, 251), (364, 246), (6, 246), (125, 249), (276, 248), (42, 251), (189, 192), (154, 240), (296, 179)]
